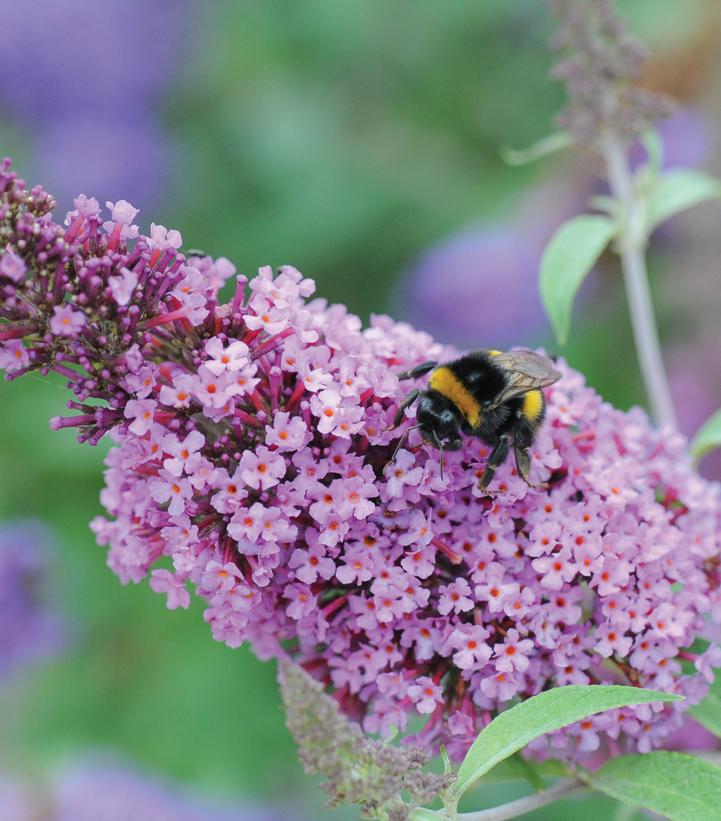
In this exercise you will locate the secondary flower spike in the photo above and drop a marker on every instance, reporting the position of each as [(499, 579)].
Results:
[(253, 450), (30, 627)]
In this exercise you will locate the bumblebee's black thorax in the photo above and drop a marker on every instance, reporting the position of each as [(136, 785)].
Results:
[(479, 375), (470, 383)]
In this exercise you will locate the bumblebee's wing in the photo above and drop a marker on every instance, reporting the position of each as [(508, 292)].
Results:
[(525, 371)]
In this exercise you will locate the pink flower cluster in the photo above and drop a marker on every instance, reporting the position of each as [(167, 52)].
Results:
[(253, 465)]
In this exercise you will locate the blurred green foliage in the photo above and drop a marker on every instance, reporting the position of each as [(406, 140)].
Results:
[(345, 137)]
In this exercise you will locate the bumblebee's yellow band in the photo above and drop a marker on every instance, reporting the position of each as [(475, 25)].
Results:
[(445, 382), (533, 405)]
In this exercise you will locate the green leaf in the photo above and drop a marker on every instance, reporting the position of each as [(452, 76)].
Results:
[(678, 786), (677, 191), (514, 768), (447, 767), (548, 145), (504, 771), (569, 256), (646, 176), (708, 711), (653, 146), (708, 437), (606, 204), (548, 711)]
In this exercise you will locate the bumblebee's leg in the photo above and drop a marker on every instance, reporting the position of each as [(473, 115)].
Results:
[(401, 442), (419, 370), (524, 435), (523, 463), (406, 403), (498, 456), (439, 445)]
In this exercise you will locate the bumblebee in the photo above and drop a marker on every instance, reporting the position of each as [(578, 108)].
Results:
[(492, 395)]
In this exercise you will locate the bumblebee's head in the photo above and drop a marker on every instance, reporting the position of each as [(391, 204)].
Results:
[(438, 421)]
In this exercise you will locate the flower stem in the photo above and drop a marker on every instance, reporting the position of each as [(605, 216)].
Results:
[(523, 805), (632, 246), (510, 810)]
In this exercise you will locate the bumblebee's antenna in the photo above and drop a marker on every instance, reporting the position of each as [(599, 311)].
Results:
[(439, 444)]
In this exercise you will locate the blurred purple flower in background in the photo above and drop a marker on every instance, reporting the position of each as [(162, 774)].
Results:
[(103, 790), (14, 804), (85, 80), (478, 287), (692, 736), (29, 627), (687, 138)]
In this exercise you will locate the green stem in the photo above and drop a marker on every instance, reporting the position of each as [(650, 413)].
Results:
[(506, 811), (632, 242)]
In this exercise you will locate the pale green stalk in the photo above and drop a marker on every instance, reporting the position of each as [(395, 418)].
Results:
[(512, 809), (632, 241)]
